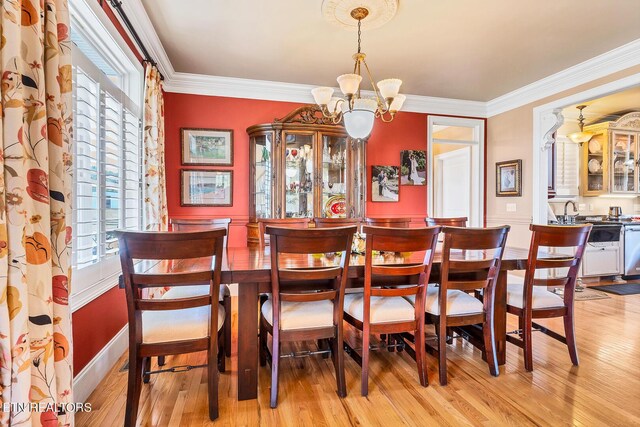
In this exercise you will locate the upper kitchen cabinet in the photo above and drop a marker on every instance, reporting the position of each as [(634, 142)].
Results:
[(305, 166), (610, 159)]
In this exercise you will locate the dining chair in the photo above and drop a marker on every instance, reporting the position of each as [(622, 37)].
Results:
[(159, 327), (205, 224), (450, 222), (335, 222), (388, 222), (382, 308), (471, 259), (531, 299), (278, 222), (305, 303)]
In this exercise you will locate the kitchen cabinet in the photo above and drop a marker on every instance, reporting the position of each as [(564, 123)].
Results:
[(304, 165), (609, 161)]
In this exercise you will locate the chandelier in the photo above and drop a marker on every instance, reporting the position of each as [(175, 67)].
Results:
[(359, 113), (582, 136)]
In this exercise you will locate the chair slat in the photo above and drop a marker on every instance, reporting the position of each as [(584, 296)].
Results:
[(173, 304), (397, 270), (556, 263), (467, 285), (461, 266), (554, 281), (404, 291), (309, 274), (309, 296), (143, 280)]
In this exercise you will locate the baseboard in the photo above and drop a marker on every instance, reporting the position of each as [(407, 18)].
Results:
[(88, 379)]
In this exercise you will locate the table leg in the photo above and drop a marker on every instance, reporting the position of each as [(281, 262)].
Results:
[(500, 317), (247, 341)]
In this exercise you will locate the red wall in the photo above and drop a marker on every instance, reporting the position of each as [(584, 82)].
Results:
[(95, 324), (407, 131)]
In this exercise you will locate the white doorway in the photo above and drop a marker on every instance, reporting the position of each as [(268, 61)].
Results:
[(452, 186), (456, 168)]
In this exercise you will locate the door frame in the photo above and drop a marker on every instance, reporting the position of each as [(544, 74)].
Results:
[(477, 162), (547, 118)]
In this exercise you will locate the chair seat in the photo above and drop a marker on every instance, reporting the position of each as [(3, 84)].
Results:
[(458, 302), (177, 292), (301, 315), (177, 325), (541, 297), (383, 309)]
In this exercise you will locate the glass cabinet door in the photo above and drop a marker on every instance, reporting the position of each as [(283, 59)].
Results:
[(623, 162), (299, 174), (595, 166), (334, 177), (263, 184)]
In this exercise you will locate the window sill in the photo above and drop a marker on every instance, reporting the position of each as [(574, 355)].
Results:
[(89, 293)]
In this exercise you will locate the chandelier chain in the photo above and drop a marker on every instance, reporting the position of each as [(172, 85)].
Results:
[(359, 33)]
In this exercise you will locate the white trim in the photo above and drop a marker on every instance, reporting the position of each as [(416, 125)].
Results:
[(511, 220), (615, 60), (477, 145), (540, 126), (87, 294), (88, 379)]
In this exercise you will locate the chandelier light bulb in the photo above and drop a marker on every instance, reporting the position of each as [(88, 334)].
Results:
[(397, 102), (349, 83), (389, 88), (322, 95)]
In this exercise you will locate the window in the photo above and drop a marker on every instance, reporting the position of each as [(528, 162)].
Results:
[(107, 150)]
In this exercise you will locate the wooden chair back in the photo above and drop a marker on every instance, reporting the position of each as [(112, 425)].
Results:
[(278, 222), (197, 224), (170, 247), (398, 240), (287, 242), (388, 222), (335, 222), (449, 222), (476, 261), (554, 236)]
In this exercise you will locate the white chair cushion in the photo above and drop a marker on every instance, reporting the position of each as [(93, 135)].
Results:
[(541, 297), (177, 325), (458, 302), (301, 315), (383, 309), (177, 292)]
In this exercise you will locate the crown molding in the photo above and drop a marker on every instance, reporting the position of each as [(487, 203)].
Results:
[(232, 87), (615, 60)]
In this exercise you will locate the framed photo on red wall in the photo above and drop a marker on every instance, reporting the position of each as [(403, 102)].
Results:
[(206, 146), (200, 187)]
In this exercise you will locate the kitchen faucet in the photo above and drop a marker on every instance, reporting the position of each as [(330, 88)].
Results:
[(567, 218)]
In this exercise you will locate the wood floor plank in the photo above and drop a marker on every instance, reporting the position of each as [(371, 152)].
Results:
[(603, 390)]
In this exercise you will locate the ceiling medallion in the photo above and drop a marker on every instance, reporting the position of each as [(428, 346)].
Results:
[(357, 112), (338, 12)]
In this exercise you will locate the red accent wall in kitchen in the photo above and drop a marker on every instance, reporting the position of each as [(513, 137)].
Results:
[(407, 131)]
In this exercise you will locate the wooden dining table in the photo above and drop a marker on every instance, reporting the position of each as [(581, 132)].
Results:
[(250, 268)]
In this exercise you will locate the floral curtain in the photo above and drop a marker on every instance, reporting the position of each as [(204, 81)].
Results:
[(35, 205), (155, 201)]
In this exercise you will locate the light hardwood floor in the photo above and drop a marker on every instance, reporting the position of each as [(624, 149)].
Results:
[(603, 390)]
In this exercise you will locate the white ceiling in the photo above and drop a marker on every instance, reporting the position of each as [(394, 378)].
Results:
[(462, 49)]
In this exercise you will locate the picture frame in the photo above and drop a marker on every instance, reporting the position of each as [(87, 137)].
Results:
[(200, 146), (509, 178), (204, 187), (413, 167), (385, 182)]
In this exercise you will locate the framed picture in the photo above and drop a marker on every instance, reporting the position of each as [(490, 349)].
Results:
[(509, 178), (385, 182), (413, 167), (207, 146), (206, 187)]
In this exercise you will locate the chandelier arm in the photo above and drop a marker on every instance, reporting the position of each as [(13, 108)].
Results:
[(382, 107), (391, 114)]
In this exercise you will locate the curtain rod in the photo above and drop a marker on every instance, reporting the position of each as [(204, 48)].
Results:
[(117, 5)]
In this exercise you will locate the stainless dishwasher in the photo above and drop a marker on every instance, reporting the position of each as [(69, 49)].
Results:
[(632, 250)]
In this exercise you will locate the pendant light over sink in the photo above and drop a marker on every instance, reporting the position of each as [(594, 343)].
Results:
[(582, 136), (359, 113)]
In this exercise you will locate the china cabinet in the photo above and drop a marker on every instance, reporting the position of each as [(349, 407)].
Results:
[(610, 159), (303, 165)]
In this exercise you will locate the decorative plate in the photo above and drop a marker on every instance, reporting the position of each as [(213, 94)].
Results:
[(594, 166), (594, 147), (335, 207)]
